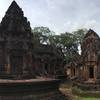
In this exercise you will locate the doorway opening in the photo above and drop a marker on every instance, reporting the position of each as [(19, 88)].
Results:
[(91, 72), (16, 64)]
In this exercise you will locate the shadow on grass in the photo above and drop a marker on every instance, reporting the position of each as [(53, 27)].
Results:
[(88, 95)]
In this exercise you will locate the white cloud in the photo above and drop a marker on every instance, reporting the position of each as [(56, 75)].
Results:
[(59, 15), (90, 24)]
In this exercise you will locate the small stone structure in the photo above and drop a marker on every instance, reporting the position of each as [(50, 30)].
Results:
[(73, 68), (90, 57), (87, 73)]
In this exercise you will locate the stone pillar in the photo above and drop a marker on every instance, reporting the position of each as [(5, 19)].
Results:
[(30, 62), (8, 66), (84, 73), (24, 64), (54, 68), (43, 68), (87, 73), (95, 72)]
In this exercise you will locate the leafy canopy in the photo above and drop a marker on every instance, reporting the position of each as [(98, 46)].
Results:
[(68, 42)]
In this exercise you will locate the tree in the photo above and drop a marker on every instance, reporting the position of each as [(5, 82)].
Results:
[(43, 34), (67, 42), (79, 35)]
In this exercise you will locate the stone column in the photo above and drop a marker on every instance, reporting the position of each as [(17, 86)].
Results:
[(95, 72), (43, 69), (87, 73), (24, 65), (8, 66), (54, 69), (84, 72), (30, 62)]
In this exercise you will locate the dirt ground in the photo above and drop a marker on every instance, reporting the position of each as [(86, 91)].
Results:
[(66, 89)]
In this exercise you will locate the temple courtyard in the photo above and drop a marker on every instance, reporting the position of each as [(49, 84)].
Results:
[(66, 89)]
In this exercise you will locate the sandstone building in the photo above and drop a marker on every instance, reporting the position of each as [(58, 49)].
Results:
[(85, 70), (19, 56)]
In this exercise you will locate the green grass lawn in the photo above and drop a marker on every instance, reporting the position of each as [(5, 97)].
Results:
[(86, 98)]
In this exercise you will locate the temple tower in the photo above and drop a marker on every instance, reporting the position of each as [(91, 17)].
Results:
[(20, 55), (90, 50), (16, 43)]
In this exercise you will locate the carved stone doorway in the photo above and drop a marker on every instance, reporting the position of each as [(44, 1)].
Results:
[(91, 72), (16, 64)]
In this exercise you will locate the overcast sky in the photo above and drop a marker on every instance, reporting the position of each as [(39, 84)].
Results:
[(59, 15)]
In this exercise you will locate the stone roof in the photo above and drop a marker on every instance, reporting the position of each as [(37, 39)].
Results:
[(14, 23), (90, 46), (48, 49), (16, 30), (91, 32)]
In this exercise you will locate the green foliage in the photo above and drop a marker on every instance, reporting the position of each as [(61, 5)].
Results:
[(43, 34), (79, 35), (85, 95), (68, 42)]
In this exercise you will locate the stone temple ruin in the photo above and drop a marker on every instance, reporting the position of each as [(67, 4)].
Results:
[(85, 71), (19, 56), (28, 70)]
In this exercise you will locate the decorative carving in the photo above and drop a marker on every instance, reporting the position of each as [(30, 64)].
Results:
[(14, 23), (23, 59)]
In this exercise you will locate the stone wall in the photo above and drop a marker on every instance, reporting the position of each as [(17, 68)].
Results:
[(45, 95)]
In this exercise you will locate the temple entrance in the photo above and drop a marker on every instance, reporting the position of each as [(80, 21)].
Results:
[(46, 68), (72, 72), (91, 72), (16, 64)]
